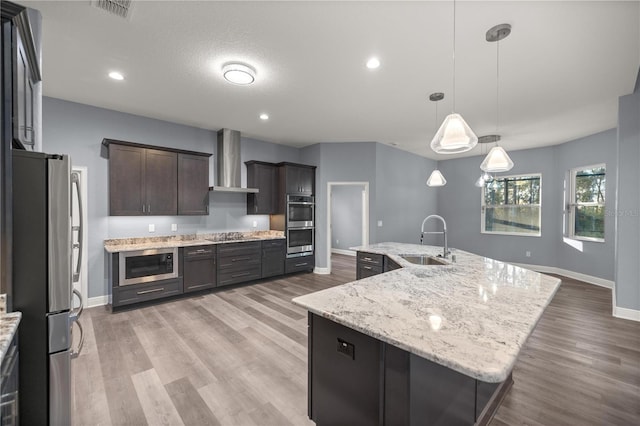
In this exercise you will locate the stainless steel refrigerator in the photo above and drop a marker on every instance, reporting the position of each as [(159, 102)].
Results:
[(42, 285)]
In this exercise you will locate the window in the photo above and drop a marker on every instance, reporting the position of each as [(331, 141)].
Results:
[(511, 205), (586, 203)]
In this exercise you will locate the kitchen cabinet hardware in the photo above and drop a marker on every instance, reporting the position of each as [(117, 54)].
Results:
[(155, 290)]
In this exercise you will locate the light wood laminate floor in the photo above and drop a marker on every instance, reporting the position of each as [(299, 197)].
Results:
[(238, 357)]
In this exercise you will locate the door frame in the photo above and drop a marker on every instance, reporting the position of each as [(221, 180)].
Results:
[(84, 274), (365, 215)]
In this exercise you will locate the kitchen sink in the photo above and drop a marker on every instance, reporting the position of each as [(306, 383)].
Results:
[(422, 259)]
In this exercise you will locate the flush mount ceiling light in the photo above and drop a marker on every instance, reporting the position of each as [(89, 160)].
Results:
[(240, 74), (454, 135), (497, 160), (264, 117), (436, 178), (116, 75), (373, 63)]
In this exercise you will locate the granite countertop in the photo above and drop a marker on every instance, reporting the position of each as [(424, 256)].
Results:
[(472, 316), (117, 245), (8, 326)]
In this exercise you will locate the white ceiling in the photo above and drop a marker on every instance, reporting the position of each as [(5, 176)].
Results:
[(561, 70)]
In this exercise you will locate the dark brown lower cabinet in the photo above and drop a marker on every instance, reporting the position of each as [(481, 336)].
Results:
[(299, 264), (9, 415), (199, 268), (239, 262), (356, 379), (273, 255)]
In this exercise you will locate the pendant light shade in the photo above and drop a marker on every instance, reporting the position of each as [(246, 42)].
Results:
[(436, 179), (454, 136), (497, 161)]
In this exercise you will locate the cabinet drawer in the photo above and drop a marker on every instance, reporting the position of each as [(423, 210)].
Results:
[(298, 264), (370, 258), (199, 273), (238, 262), (239, 276), (267, 244), (126, 295), (365, 271), (199, 252), (272, 263), (239, 249)]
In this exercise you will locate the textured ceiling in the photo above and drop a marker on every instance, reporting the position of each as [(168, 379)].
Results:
[(561, 70)]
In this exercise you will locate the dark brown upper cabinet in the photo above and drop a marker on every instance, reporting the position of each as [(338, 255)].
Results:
[(297, 179), (263, 176), (193, 184), (150, 180)]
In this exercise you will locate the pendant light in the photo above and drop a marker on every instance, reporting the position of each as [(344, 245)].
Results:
[(497, 160), (454, 135), (436, 178)]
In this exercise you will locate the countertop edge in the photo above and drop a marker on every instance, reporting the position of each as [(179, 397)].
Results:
[(114, 248), (8, 328)]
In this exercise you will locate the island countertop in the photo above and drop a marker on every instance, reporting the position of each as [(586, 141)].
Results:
[(472, 316)]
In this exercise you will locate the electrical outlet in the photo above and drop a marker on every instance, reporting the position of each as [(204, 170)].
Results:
[(174, 226), (527, 253), (255, 223), (152, 227), (379, 224)]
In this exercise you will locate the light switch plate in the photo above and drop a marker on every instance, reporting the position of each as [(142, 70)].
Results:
[(152, 227), (255, 223), (174, 226), (379, 224)]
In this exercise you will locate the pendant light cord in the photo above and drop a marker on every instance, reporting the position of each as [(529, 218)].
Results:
[(454, 57), (497, 87)]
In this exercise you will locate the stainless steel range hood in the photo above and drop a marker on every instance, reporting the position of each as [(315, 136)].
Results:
[(228, 165)]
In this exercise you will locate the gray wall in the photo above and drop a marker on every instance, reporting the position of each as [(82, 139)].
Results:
[(627, 212), (78, 130), (459, 203), (346, 216)]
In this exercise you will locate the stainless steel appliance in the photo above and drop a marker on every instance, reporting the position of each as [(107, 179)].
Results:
[(300, 241), (300, 211), (144, 266), (42, 285)]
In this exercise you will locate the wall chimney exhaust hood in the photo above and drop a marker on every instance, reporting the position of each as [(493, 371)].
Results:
[(228, 164)]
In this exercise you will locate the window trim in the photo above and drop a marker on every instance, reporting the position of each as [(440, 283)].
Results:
[(483, 208), (571, 204)]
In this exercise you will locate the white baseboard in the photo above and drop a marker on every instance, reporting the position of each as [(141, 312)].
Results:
[(321, 271), (343, 251), (601, 282), (626, 313), (92, 302)]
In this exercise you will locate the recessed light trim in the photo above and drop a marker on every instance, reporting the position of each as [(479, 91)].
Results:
[(373, 63), (239, 74), (264, 117), (116, 75)]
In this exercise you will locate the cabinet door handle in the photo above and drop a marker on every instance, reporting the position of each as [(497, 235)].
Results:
[(144, 208), (241, 274), (155, 290), (301, 264), (367, 259), (198, 286), (149, 208), (367, 267), (240, 259)]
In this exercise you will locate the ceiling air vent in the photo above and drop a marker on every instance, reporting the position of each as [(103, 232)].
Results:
[(120, 8)]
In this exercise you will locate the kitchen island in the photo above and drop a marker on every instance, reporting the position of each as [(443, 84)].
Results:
[(432, 344)]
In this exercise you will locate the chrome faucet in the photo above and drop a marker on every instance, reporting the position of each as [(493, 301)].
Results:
[(444, 232)]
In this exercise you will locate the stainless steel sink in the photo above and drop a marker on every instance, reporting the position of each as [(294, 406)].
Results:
[(422, 259)]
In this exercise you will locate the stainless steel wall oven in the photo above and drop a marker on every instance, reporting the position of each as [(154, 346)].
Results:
[(300, 211), (144, 266), (300, 241)]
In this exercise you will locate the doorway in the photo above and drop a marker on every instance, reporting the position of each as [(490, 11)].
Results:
[(345, 198)]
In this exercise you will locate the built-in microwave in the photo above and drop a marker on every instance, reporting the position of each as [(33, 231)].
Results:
[(144, 266), (300, 211)]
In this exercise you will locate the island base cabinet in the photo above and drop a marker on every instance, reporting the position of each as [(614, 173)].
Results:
[(355, 379), (344, 371)]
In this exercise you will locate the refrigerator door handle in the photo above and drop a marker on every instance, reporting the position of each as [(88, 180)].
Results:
[(76, 353), (75, 181), (75, 314)]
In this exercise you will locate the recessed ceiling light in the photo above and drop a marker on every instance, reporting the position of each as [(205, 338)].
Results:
[(373, 63), (239, 73), (264, 117), (116, 75)]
